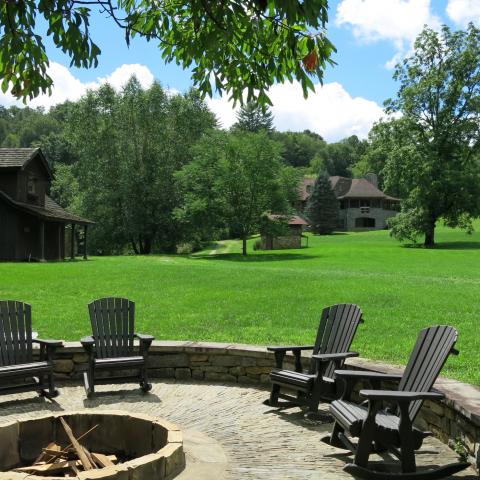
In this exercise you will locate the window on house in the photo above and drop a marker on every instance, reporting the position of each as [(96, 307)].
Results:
[(364, 222), (342, 204), (31, 186), (354, 204)]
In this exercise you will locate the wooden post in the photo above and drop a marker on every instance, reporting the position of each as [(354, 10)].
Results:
[(60, 254), (72, 243), (85, 242), (42, 241)]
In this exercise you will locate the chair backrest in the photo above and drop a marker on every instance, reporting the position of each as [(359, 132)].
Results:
[(112, 326), (15, 333), (428, 356), (338, 325)]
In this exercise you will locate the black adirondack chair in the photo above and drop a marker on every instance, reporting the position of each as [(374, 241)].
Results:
[(111, 347), (337, 328), (18, 371), (392, 430)]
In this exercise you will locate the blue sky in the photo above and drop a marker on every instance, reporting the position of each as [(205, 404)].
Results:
[(370, 36)]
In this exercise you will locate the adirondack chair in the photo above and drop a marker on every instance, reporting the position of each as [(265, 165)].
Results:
[(18, 371), (337, 328), (111, 346), (390, 430)]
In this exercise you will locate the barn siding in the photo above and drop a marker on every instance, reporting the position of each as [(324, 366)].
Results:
[(8, 232), (8, 183)]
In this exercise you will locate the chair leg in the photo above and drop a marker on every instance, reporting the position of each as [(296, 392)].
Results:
[(334, 438), (89, 382), (144, 385), (273, 402), (52, 391), (406, 438)]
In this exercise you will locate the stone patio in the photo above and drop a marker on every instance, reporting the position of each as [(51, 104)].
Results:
[(228, 432)]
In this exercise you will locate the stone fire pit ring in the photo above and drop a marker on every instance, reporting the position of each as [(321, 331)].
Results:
[(153, 448)]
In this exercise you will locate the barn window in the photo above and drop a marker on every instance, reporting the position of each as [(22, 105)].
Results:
[(31, 186)]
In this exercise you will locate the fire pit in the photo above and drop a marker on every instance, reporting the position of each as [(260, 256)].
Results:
[(141, 447)]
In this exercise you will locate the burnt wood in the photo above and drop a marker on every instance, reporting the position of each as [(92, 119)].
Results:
[(337, 328), (391, 429), (111, 347), (18, 370)]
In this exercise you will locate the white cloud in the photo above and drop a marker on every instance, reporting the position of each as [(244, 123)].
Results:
[(121, 76), (329, 111), (68, 87), (396, 21), (464, 11)]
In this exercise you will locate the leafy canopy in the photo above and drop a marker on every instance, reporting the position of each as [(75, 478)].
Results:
[(235, 44)]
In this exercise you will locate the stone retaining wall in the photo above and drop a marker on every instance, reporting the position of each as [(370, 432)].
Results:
[(455, 420)]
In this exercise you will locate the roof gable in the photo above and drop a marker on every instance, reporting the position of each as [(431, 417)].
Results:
[(346, 188), (19, 158)]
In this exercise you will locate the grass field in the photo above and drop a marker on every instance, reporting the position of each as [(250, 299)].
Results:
[(274, 297)]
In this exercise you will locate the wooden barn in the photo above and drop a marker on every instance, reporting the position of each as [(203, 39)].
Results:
[(32, 225)]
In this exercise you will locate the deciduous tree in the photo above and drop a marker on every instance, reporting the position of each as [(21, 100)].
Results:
[(234, 179), (432, 150)]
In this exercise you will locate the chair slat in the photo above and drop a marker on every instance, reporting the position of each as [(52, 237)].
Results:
[(338, 325), (15, 333), (428, 357), (113, 323), (4, 326)]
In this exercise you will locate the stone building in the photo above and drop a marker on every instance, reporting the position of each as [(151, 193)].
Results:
[(293, 239), (362, 205)]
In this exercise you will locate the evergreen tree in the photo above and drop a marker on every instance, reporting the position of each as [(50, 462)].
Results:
[(252, 118), (322, 206)]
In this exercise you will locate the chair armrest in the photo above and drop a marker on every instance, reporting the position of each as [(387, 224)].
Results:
[(330, 357), (361, 374), (87, 344), (145, 342), (144, 338), (400, 397), (286, 348), (48, 343)]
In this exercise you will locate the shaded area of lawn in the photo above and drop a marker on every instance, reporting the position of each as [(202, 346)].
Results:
[(274, 297)]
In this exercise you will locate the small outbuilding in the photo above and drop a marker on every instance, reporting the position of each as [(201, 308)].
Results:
[(290, 238), (32, 225)]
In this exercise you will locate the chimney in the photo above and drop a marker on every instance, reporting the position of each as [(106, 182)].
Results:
[(372, 178)]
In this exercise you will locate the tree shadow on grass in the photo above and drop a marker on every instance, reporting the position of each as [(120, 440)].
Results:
[(255, 258), (446, 246)]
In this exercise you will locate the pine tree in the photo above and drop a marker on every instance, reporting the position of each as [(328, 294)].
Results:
[(252, 118), (322, 206)]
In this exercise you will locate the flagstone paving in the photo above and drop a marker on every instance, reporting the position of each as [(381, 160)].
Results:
[(228, 432)]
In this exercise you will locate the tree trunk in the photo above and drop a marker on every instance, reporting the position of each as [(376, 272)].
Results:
[(430, 237), (134, 246), (147, 246), (244, 246)]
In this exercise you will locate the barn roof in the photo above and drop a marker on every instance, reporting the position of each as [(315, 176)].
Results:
[(347, 188), (292, 219), (51, 211), (14, 158)]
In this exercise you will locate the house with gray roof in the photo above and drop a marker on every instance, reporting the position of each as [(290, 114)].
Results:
[(32, 225), (363, 206)]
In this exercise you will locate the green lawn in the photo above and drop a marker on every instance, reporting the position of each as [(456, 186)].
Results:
[(274, 297)]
